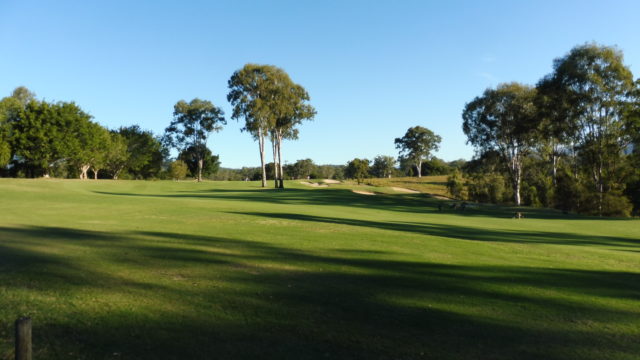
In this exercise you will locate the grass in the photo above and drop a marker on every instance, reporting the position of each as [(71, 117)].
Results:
[(226, 270)]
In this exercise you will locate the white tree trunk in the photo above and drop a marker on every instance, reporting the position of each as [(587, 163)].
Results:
[(275, 160), (261, 145), (419, 167), (280, 161), (200, 166)]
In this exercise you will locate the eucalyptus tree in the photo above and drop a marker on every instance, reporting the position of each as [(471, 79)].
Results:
[(290, 107), (192, 123), (248, 93), (271, 105), (504, 120), (417, 144), (596, 90)]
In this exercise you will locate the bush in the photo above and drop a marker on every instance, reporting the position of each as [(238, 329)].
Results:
[(178, 170), (455, 184), (488, 188)]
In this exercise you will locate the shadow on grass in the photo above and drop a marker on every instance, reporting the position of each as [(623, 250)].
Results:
[(462, 232), (414, 203), (183, 296)]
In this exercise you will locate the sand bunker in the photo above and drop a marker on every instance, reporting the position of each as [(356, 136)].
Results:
[(331, 181), (363, 192), (313, 184), (405, 190)]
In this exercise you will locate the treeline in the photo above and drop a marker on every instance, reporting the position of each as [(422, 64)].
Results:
[(569, 142), (58, 139)]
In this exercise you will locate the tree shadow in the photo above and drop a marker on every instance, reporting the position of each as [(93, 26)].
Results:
[(259, 300), (462, 232)]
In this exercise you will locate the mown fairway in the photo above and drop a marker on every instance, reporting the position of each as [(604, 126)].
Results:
[(166, 270)]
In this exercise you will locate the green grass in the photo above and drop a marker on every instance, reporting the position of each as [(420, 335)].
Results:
[(226, 270)]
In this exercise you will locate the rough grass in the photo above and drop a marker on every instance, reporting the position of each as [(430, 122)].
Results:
[(183, 270), (435, 185)]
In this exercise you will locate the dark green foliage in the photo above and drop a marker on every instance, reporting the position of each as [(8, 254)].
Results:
[(416, 146), (301, 169), (192, 123), (487, 188), (357, 169), (383, 166), (436, 166), (191, 155), (146, 153)]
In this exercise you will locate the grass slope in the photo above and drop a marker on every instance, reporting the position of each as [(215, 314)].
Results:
[(166, 270)]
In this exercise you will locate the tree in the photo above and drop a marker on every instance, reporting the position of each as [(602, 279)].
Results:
[(190, 157), (417, 144), (271, 104), (91, 148), (248, 94), (592, 92), (455, 184), (178, 170), (45, 134), (146, 153), (192, 123), (290, 108), (357, 169), (10, 107), (301, 169), (503, 120), (116, 156), (383, 166)]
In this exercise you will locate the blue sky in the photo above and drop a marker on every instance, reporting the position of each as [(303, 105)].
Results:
[(372, 68)]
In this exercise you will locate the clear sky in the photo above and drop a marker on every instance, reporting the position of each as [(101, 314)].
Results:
[(372, 68)]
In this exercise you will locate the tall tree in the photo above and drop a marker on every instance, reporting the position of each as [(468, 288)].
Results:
[(272, 105), (192, 123), (249, 95), (417, 144), (597, 90), (290, 108), (503, 120)]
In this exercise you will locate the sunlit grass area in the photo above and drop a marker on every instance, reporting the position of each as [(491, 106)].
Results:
[(185, 270)]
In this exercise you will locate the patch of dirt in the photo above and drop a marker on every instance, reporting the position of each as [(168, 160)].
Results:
[(313, 184), (405, 190), (331, 181), (362, 192)]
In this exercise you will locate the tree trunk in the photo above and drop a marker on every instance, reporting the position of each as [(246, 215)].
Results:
[(200, 166), (280, 161), (95, 173), (275, 161), (261, 146), (419, 168), (517, 174), (83, 171)]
